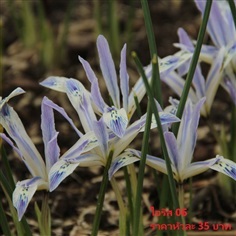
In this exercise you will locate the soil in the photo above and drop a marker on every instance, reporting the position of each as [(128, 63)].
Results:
[(73, 203)]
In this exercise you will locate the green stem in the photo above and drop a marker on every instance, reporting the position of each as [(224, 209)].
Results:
[(193, 65), (122, 208), (101, 196), (46, 216)]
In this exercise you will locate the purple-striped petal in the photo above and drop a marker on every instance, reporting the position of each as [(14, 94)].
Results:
[(15, 129), (63, 113), (116, 120), (126, 158), (56, 83), (24, 192), (187, 134), (84, 144), (108, 70), (225, 166), (101, 132), (81, 102), (95, 91), (173, 151), (51, 148), (124, 78), (214, 78), (59, 171)]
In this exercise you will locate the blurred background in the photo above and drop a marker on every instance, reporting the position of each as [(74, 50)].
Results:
[(44, 38)]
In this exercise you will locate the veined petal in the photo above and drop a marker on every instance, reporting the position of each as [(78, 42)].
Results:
[(214, 78), (173, 151), (51, 148), (24, 192), (126, 158), (95, 91), (15, 129), (187, 134), (124, 78), (14, 93), (217, 25), (116, 120), (196, 168), (81, 102), (166, 65), (84, 144), (225, 166), (101, 132), (63, 113), (59, 171), (154, 162), (56, 83), (108, 70), (88, 159)]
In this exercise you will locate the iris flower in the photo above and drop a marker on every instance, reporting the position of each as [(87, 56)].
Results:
[(46, 174), (181, 150), (221, 55), (112, 128)]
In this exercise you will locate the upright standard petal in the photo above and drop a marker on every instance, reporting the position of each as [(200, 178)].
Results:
[(101, 132), (24, 192), (51, 148), (124, 78), (81, 102), (95, 91), (108, 70)]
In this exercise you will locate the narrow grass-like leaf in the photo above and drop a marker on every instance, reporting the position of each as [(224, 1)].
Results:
[(4, 222), (193, 65), (163, 145)]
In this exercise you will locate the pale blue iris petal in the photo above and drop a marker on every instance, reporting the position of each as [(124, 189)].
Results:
[(95, 91), (108, 70), (14, 93), (84, 144), (231, 86), (116, 120), (225, 166), (51, 148), (173, 151), (187, 134), (81, 102), (196, 168), (124, 78), (217, 27), (63, 113), (101, 132), (56, 83), (15, 129), (155, 162), (122, 160), (59, 171), (230, 54), (131, 132), (88, 159), (24, 192), (214, 78)]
